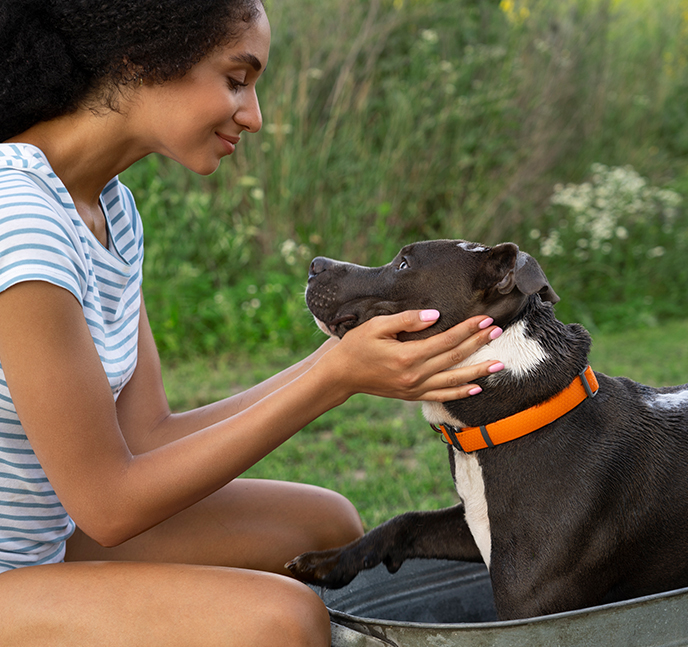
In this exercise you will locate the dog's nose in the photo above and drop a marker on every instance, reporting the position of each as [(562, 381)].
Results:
[(319, 265)]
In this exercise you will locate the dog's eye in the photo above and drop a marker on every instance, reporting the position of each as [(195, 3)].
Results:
[(403, 265)]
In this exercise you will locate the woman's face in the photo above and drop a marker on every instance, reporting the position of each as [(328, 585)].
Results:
[(198, 119)]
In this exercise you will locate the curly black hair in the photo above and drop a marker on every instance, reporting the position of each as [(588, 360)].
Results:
[(60, 54)]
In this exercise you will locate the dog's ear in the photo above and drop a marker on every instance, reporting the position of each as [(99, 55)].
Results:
[(519, 270)]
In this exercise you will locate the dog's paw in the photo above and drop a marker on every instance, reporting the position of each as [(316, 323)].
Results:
[(322, 568)]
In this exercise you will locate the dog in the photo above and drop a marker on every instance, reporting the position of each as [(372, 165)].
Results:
[(589, 507)]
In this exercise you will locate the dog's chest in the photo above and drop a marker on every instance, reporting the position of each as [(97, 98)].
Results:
[(470, 486)]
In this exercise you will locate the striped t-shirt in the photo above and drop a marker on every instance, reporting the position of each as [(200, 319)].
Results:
[(42, 238)]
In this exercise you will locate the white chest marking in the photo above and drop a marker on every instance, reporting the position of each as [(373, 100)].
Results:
[(520, 355), (471, 488)]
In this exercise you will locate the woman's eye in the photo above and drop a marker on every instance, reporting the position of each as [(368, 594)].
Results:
[(234, 85)]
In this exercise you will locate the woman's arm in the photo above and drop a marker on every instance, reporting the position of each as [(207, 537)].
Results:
[(64, 401), (142, 408), (146, 420)]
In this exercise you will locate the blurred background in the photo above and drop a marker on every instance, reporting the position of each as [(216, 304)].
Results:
[(560, 125)]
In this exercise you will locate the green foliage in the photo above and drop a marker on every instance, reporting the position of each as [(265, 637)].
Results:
[(388, 121), (616, 249), (203, 293)]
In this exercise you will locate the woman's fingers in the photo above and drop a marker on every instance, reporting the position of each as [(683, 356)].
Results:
[(458, 383), (415, 320), (451, 375), (406, 321), (454, 346), (418, 370)]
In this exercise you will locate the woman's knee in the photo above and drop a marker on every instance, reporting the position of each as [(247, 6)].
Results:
[(301, 619), (120, 603), (340, 523)]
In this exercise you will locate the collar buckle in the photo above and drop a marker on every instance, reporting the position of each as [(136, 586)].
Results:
[(586, 382)]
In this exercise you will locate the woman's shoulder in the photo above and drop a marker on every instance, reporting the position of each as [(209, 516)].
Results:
[(31, 192), (22, 157), (25, 174), (36, 210)]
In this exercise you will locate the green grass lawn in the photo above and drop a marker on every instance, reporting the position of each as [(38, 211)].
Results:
[(381, 453)]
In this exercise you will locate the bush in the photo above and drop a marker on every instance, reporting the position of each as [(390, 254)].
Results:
[(616, 249)]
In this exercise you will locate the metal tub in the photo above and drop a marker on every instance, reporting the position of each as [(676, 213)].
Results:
[(433, 603)]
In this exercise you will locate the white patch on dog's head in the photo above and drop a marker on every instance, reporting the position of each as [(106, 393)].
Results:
[(521, 355), (677, 400), (473, 247)]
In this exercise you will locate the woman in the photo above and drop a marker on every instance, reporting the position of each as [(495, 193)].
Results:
[(121, 523)]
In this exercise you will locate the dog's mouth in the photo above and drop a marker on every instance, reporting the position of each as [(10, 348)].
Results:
[(342, 324), (336, 316), (338, 326)]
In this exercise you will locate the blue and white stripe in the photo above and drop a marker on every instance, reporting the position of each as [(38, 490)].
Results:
[(43, 238)]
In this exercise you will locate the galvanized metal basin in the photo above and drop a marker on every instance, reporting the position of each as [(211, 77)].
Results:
[(433, 603)]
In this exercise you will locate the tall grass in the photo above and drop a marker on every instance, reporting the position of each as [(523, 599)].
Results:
[(388, 121)]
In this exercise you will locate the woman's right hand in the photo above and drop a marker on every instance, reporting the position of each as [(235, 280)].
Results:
[(371, 359)]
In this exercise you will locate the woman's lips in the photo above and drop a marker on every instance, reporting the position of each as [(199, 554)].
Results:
[(228, 142)]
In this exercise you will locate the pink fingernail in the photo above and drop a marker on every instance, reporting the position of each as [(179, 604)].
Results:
[(429, 315), (496, 333), (485, 323), (495, 368), (475, 391)]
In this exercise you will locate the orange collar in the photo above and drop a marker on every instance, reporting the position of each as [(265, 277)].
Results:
[(470, 439)]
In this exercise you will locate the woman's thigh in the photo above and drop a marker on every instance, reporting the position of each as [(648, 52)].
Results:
[(120, 604), (250, 523)]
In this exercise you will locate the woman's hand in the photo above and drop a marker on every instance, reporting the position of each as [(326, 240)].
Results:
[(370, 358)]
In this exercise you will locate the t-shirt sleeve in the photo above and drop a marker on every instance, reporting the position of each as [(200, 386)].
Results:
[(38, 241)]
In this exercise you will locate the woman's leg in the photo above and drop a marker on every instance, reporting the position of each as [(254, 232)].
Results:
[(250, 523), (124, 604)]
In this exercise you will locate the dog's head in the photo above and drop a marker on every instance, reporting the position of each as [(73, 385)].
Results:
[(456, 277)]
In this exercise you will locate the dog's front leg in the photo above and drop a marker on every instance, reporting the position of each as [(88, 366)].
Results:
[(439, 534)]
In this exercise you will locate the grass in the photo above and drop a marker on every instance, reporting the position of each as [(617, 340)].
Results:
[(381, 453), (657, 356)]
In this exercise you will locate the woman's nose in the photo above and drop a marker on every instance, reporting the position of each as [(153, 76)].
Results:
[(249, 115)]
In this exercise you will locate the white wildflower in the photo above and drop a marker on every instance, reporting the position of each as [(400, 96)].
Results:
[(429, 36), (551, 246), (279, 129)]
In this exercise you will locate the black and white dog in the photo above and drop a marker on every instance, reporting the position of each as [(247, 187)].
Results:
[(570, 500)]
